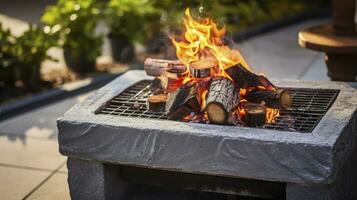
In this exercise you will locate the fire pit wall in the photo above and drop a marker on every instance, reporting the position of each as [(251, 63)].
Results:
[(316, 165)]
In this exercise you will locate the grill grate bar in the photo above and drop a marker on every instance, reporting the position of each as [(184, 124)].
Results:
[(308, 107)]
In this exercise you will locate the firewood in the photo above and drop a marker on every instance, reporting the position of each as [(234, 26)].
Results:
[(242, 76), (255, 114), (156, 67), (273, 99), (203, 67), (222, 100), (245, 78), (157, 103), (265, 82), (170, 81), (156, 86), (182, 102), (200, 72)]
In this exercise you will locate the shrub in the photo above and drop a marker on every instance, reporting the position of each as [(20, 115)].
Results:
[(76, 20), (131, 19), (30, 50), (7, 60), (21, 56)]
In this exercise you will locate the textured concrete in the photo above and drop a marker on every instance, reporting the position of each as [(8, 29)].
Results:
[(16, 183), (342, 188), (94, 180), (211, 149)]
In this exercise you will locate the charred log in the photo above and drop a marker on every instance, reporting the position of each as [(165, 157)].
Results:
[(182, 102), (157, 103), (222, 99), (200, 73), (245, 78), (203, 68), (170, 81), (272, 99), (255, 114), (264, 81), (156, 67)]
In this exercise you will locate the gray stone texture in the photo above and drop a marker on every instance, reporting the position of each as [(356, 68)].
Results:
[(303, 158), (94, 180)]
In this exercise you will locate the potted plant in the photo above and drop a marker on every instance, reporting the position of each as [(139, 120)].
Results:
[(128, 21), (77, 21), (29, 51), (7, 59)]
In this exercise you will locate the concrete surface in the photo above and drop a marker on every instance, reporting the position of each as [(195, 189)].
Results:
[(232, 151)]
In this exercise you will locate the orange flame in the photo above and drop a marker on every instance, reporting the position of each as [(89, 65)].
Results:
[(272, 114), (204, 39)]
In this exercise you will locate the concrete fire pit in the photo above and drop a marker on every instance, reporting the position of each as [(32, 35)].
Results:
[(109, 153)]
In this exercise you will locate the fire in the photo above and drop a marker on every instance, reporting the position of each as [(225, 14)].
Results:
[(272, 114), (203, 41)]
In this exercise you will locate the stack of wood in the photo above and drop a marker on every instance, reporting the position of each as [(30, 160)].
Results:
[(222, 93), (169, 73)]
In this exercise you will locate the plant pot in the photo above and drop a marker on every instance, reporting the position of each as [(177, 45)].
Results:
[(7, 71), (78, 61), (122, 49), (7, 76), (29, 75), (157, 43), (341, 67), (343, 17)]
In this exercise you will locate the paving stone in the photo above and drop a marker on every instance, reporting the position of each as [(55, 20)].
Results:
[(63, 169), (54, 188), (317, 70), (278, 54), (28, 152), (39, 123), (16, 183)]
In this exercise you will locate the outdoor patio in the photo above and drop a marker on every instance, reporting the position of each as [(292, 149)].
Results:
[(31, 166)]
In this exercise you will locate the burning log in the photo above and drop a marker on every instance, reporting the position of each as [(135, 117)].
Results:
[(170, 81), (157, 103), (156, 67), (182, 102), (245, 78), (203, 68), (255, 114), (222, 99), (273, 99), (200, 72)]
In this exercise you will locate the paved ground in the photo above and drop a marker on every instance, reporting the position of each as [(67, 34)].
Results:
[(32, 168)]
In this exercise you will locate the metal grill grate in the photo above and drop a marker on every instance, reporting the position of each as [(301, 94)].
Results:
[(309, 106)]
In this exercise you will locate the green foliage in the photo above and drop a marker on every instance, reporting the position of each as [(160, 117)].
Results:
[(6, 44), (31, 47), (24, 54), (7, 60), (235, 14), (130, 18), (76, 20)]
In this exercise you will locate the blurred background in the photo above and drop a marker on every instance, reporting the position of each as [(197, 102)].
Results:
[(47, 43), (54, 53)]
